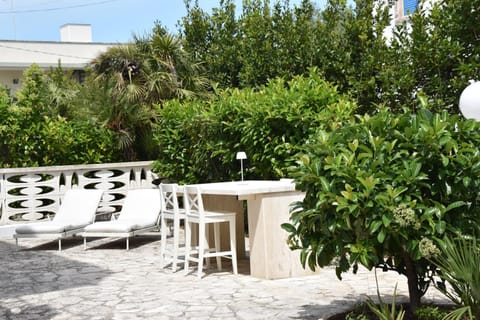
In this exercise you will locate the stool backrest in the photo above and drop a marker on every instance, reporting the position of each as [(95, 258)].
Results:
[(169, 197), (193, 201)]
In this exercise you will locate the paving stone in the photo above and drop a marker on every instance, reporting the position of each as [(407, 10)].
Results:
[(106, 282)]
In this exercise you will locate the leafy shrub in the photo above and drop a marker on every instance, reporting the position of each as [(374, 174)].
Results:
[(199, 139), (356, 315), (429, 313), (385, 311), (55, 141), (33, 135), (378, 191)]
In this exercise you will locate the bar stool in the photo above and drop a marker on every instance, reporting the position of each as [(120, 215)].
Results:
[(196, 214), (170, 211)]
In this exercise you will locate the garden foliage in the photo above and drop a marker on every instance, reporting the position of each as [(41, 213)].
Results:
[(133, 78), (33, 135), (434, 54), (198, 140), (458, 269), (381, 186), (380, 190)]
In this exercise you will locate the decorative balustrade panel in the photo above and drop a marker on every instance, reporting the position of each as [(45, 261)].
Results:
[(32, 194)]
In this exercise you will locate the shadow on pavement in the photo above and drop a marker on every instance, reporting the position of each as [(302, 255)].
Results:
[(34, 271), (314, 311), (50, 244), (27, 312), (120, 243)]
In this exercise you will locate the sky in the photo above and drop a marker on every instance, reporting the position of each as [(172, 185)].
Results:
[(113, 21)]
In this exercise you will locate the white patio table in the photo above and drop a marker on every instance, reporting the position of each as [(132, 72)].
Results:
[(268, 205)]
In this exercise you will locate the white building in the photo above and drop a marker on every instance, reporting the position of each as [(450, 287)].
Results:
[(402, 9), (73, 52)]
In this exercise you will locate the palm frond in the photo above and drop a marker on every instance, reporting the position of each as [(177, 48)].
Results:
[(458, 266)]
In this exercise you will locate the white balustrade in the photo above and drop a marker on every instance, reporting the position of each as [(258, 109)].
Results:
[(31, 194)]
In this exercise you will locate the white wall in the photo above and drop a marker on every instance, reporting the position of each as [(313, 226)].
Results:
[(16, 56), (76, 33), (24, 53), (7, 78)]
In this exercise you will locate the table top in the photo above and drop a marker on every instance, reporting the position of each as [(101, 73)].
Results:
[(247, 187)]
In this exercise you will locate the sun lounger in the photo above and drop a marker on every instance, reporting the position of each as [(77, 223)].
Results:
[(140, 214), (77, 210)]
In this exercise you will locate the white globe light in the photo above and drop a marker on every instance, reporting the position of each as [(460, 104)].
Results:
[(470, 101)]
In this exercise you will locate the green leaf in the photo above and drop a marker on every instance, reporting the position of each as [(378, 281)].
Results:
[(454, 205), (386, 220), (368, 182), (303, 257), (381, 235), (325, 184), (288, 227), (440, 227), (467, 181), (353, 145), (347, 195), (374, 226), (445, 160), (364, 260)]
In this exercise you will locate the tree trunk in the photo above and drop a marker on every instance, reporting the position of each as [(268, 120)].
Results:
[(412, 278)]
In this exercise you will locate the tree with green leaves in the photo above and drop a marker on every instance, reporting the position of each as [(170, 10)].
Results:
[(366, 49), (5, 101), (63, 92), (434, 53), (34, 93), (265, 41), (214, 40), (34, 133), (380, 191)]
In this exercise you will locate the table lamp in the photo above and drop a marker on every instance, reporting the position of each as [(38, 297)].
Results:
[(240, 156)]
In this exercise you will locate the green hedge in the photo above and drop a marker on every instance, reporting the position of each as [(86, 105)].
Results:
[(198, 140)]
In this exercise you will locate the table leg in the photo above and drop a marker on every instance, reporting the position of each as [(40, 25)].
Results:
[(270, 256)]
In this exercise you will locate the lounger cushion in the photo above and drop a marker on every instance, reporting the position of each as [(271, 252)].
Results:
[(78, 206), (47, 227), (118, 226)]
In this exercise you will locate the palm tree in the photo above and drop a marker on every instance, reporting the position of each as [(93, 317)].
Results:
[(116, 80), (169, 71)]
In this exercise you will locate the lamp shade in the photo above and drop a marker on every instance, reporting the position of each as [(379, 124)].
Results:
[(241, 155), (470, 101)]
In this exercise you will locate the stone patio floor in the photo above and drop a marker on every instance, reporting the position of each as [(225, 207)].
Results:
[(108, 282)]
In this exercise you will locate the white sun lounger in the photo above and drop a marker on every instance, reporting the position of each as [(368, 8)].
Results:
[(140, 213), (77, 210)]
